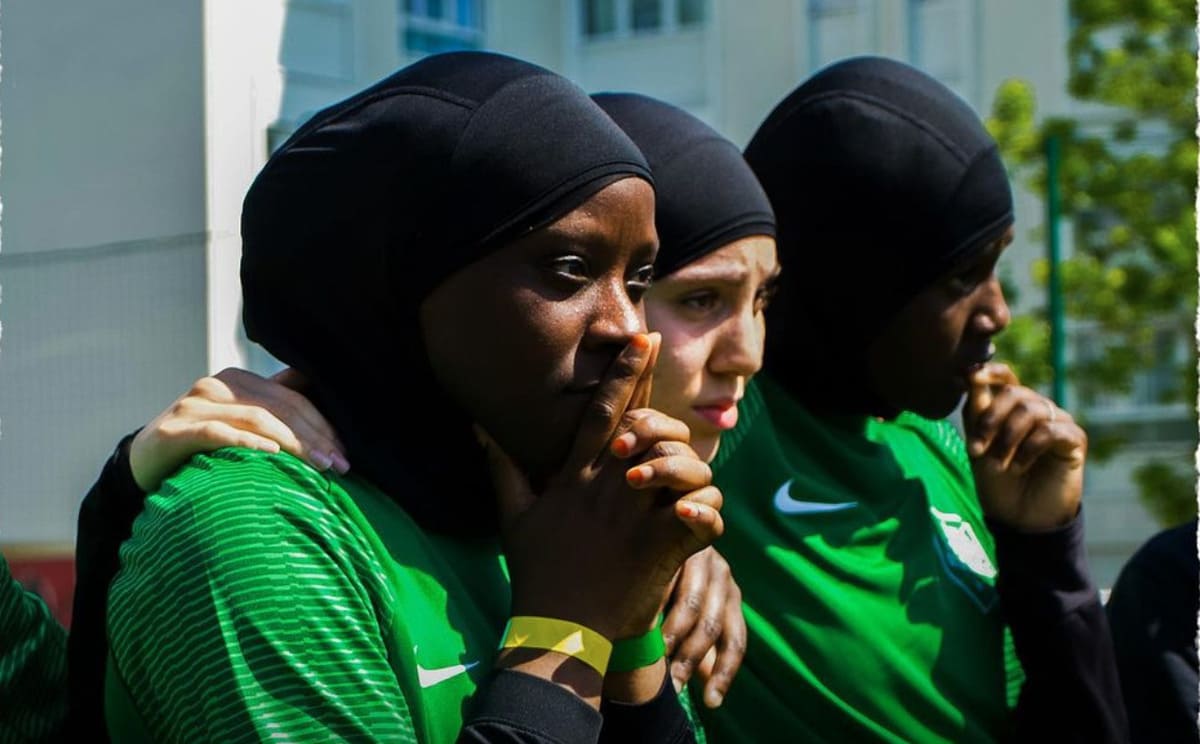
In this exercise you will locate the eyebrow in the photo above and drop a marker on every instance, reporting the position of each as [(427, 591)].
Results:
[(725, 273)]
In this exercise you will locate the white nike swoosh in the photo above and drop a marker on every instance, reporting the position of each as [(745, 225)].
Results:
[(431, 677), (788, 505)]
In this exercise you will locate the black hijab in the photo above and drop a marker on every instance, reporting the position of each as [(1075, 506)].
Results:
[(882, 180), (706, 196), (372, 204)]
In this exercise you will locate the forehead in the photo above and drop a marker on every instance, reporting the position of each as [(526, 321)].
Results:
[(988, 254), (749, 257), (622, 210)]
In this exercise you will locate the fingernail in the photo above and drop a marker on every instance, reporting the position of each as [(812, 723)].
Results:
[(320, 460), (270, 447), (669, 643), (340, 463), (678, 684), (639, 475), (623, 445), (713, 699), (640, 341), (689, 510)]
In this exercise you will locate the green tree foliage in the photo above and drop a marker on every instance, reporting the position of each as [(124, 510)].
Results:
[(1129, 186)]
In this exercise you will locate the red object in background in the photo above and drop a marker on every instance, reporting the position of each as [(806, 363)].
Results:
[(48, 571)]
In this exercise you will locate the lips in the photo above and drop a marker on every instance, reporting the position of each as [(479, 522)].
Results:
[(976, 360), (722, 414)]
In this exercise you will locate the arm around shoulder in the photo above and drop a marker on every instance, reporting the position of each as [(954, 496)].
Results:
[(241, 580)]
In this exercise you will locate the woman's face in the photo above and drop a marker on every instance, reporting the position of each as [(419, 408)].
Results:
[(521, 337), (923, 357), (710, 315)]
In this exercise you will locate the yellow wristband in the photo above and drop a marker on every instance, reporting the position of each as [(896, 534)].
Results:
[(572, 639)]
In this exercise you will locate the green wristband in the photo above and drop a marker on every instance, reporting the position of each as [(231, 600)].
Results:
[(634, 653)]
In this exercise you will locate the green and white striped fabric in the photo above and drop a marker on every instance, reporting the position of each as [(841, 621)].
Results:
[(33, 665), (259, 600)]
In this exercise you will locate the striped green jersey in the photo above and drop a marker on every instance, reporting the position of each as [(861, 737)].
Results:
[(868, 581), (33, 665), (259, 599)]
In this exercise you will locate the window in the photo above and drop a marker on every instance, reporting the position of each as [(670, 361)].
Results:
[(647, 15), (431, 26), (691, 12), (599, 17), (615, 19), (839, 29), (941, 37)]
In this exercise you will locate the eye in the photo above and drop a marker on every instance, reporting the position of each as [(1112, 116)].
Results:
[(640, 282), (701, 301), (573, 268), (763, 297), (965, 283)]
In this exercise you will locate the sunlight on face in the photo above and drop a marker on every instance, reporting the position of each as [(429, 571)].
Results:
[(710, 314)]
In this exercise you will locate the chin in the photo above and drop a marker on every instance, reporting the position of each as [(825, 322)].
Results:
[(941, 407), (706, 446)]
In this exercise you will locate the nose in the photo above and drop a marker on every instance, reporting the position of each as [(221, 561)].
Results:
[(992, 315), (615, 316), (739, 348)]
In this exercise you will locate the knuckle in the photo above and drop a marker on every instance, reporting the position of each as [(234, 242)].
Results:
[(710, 627), (206, 387), (632, 421), (693, 601), (626, 368), (720, 567), (601, 410), (213, 431), (722, 678), (184, 407), (736, 643)]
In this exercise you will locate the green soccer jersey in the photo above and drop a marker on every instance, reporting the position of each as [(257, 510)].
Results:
[(260, 600), (868, 582), (33, 665)]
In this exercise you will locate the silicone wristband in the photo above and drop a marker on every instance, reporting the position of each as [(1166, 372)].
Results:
[(634, 653), (571, 639)]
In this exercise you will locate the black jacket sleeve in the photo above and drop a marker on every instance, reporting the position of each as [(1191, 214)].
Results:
[(1071, 690), (105, 521), (517, 708), (659, 720)]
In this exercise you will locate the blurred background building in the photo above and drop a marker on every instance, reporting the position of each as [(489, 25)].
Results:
[(132, 128)]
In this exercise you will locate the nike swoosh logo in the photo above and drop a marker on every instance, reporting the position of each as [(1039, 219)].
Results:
[(431, 677), (785, 504)]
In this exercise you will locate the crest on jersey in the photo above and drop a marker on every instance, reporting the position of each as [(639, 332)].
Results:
[(964, 558)]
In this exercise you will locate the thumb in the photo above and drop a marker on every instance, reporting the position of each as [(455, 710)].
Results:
[(981, 389), (513, 492)]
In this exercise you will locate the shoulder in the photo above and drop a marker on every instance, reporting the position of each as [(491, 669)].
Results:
[(243, 519), (235, 491), (939, 438), (1167, 560)]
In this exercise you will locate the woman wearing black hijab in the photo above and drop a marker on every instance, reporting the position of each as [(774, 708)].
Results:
[(714, 274), (473, 233), (883, 560)]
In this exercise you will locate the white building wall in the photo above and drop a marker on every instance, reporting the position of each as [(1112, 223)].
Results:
[(102, 264)]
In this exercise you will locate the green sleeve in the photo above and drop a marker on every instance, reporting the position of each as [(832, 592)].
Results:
[(249, 607), (33, 665)]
